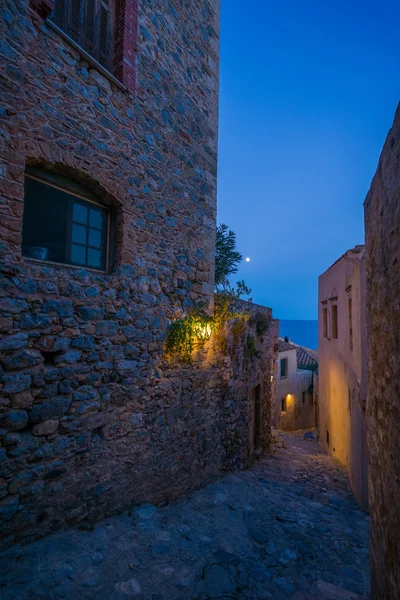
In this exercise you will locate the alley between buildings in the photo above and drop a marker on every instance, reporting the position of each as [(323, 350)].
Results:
[(288, 528)]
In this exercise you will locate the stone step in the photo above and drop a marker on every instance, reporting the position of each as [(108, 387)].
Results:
[(332, 592)]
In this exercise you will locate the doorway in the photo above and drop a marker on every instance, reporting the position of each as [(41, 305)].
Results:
[(255, 419)]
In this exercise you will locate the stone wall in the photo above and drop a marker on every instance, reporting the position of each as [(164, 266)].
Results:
[(382, 221), (105, 423), (93, 418)]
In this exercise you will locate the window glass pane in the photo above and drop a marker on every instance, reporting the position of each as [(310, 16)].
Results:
[(94, 258), (96, 218), (47, 231), (80, 213), (79, 233), (44, 229), (94, 238), (78, 254)]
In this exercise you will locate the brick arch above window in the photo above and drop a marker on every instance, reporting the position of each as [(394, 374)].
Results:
[(105, 30), (72, 175)]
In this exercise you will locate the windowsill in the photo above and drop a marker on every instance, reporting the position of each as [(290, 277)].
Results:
[(51, 264), (92, 61), (283, 377), (283, 412)]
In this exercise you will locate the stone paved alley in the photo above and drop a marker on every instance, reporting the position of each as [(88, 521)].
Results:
[(287, 528)]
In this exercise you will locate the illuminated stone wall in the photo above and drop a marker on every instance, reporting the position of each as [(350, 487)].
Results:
[(293, 391), (299, 413)]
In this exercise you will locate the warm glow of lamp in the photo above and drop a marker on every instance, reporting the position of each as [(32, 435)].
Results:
[(203, 331)]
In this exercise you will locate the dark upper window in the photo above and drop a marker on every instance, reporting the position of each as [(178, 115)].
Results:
[(90, 24), (351, 324), (334, 321), (284, 367), (64, 222), (325, 322)]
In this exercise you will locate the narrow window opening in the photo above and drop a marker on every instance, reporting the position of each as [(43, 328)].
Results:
[(325, 322), (350, 324), (327, 437), (334, 321), (284, 367), (284, 404)]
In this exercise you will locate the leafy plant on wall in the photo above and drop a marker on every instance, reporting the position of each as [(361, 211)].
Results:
[(183, 333), (198, 325)]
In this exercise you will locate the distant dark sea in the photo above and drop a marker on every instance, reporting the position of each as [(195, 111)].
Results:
[(304, 333)]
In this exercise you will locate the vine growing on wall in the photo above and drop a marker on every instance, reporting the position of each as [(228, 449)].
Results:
[(198, 326), (183, 333), (251, 348)]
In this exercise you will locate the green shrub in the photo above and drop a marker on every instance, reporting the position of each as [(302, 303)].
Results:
[(262, 323)]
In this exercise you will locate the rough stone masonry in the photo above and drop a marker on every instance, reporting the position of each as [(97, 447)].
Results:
[(382, 222), (93, 417)]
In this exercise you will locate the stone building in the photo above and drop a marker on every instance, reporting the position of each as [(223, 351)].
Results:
[(382, 223), (294, 400), (342, 355), (107, 234)]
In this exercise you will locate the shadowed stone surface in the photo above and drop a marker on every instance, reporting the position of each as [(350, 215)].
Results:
[(382, 226), (93, 416), (288, 528)]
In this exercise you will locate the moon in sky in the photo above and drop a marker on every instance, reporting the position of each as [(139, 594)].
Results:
[(247, 259)]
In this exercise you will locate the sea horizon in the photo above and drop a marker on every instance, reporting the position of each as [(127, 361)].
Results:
[(303, 332)]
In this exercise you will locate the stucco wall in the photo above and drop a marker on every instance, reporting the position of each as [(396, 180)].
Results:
[(382, 221), (342, 369), (298, 415)]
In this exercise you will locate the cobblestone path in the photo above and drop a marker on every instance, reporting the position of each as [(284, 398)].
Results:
[(288, 528)]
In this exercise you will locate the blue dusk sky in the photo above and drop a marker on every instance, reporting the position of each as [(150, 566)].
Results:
[(308, 93)]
